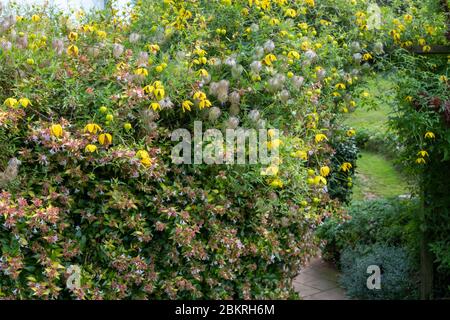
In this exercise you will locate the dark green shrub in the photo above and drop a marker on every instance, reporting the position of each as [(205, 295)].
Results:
[(340, 182), (398, 278), (376, 221), (362, 137)]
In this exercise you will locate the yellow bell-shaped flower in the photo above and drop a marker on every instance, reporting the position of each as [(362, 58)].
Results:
[(105, 139)]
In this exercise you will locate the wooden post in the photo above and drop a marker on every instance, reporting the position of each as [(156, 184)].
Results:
[(426, 260), (434, 49)]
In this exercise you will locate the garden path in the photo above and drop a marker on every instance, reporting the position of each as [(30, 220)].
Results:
[(319, 281)]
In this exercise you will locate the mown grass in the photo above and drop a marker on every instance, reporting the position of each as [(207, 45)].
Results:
[(372, 120), (377, 178), (376, 175)]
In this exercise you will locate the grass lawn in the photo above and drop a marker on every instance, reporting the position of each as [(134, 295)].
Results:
[(376, 177), (373, 120)]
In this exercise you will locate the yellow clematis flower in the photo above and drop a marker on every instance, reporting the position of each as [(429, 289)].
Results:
[(276, 183), (429, 135), (141, 72), (268, 59), (73, 36), (92, 128), (320, 137), (274, 144), (294, 55), (10, 102), (340, 86), (35, 18), (56, 130), (324, 171), (186, 105), (271, 132), (300, 154), (408, 18), (270, 171), (155, 106), (149, 89), (159, 93), (105, 139), (141, 154), (25, 102), (202, 72), (367, 56), (88, 28), (205, 103), (146, 161), (426, 48), (199, 95), (421, 161), (319, 180), (72, 50), (422, 153), (290, 13), (90, 148), (153, 48), (101, 34), (346, 166)]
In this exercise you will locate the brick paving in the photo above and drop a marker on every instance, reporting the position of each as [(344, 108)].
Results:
[(319, 281)]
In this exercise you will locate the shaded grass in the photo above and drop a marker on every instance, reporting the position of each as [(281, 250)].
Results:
[(377, 178)]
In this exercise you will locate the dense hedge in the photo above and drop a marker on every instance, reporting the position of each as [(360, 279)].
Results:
[(89, 103), (88, 181)]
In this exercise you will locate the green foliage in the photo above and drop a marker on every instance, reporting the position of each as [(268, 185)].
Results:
[(341, 182), (422, 119)]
